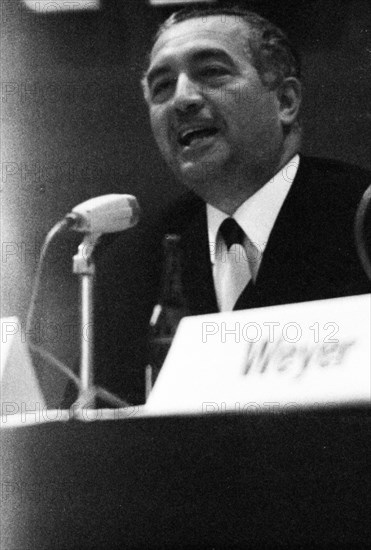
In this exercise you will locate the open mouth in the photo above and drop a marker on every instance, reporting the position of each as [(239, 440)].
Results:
[(192, 137)]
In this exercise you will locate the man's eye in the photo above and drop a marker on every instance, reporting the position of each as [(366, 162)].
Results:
[(161, 87), (213, 71)]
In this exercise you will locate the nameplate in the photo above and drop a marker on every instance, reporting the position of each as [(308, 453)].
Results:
[(269, 359)]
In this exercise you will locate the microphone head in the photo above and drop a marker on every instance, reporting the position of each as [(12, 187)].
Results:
[(106, 214)]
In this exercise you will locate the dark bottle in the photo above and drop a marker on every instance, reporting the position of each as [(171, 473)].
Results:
[(170, 309)]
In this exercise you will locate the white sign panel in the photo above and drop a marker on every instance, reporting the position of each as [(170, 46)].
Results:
[(276, 358), (19, 387)]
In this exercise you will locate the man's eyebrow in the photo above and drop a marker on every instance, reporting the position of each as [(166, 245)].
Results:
[(212, 53), (196, 57)]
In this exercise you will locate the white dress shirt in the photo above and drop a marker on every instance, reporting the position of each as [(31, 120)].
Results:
[(256, 216)]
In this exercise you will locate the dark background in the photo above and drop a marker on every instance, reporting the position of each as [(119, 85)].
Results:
[(74, 125)]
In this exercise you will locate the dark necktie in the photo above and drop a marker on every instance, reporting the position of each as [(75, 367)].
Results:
[(231, 270), (231, 232)]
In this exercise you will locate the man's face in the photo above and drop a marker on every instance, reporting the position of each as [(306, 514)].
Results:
[(210, 113)]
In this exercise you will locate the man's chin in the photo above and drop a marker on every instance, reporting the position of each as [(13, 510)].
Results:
[(192, 170)]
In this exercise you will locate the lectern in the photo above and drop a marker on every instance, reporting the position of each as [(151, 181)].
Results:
[(210, 481)]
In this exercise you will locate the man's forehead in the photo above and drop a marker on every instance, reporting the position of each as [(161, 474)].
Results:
[(225, 30)]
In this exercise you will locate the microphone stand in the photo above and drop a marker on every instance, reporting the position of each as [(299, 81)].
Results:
[(84, 267)]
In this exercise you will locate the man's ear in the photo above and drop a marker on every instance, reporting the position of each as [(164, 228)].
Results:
[(289, 98)]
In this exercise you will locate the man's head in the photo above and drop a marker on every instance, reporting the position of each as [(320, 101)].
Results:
[(223, 94)]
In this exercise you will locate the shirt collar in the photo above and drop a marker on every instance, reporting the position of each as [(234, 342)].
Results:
[(259, 212)]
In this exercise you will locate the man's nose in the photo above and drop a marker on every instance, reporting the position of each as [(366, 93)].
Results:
[(188, 94)]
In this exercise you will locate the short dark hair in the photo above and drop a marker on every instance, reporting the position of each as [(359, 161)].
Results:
[(271, 51)]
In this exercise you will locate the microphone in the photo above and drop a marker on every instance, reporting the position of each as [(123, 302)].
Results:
[(94, 217), (105, 214)]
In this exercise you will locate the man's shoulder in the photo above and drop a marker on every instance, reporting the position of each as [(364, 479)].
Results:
[(335, 170), (179, 213), (331, 186), (142, 244)]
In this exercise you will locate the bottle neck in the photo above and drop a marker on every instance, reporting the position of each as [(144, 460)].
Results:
[(172, 292)]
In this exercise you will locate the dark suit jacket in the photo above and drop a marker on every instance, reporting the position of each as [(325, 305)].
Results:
[(310, 255)]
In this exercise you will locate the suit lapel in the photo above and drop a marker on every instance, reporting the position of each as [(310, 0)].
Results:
[(282, 277), (198, 277)]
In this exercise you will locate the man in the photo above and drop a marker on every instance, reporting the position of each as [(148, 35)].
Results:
[(223, 92), (224, 129)]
